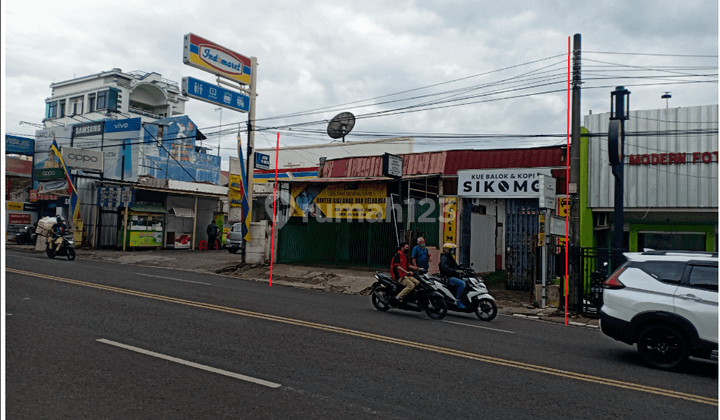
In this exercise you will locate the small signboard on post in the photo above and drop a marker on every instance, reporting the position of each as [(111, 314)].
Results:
[(392, 166), (215, 95)]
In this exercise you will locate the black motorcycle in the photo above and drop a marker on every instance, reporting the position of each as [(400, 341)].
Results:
[(26, 237), (67, 248), (424, 297)]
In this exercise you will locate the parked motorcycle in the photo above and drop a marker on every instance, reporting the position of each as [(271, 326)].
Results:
[(67, 248), (26, 237), (425, 296), (475, 297)]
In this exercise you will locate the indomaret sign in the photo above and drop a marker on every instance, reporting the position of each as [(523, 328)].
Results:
[(211, 57), (500, 183)]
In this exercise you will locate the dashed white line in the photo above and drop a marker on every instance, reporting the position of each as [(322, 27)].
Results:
[(172, 278), (192, 364)]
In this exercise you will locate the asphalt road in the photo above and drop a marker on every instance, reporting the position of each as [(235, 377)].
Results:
[(92, 339)]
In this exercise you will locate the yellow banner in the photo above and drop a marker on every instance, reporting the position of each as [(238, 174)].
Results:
[(450, 220), (562, 207), (366, 201), (14, 206)]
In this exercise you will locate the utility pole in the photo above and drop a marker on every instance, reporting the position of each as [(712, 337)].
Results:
[(575, 288)]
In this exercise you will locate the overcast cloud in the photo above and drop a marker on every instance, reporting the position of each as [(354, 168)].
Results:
[(318, 54)]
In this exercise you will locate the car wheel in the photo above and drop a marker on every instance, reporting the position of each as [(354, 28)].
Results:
[(232, 250), (663, 346)]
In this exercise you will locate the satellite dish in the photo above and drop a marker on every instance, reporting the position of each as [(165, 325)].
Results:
[(340, 125)]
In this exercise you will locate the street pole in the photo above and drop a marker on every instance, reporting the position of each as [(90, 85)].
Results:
[(616, 149), (251, 145), (219, 129), (574, 291)]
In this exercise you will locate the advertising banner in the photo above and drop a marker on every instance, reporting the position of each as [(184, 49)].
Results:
[(18, 167), (14, 206), (114, 197), (57, 187), (449, 220), (500, 183), (86, 160), (145, 239), (19, 218), (120, 149), (367, 201), (48, 174)]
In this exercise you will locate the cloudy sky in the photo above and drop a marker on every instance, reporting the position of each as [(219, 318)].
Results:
[(492, 73)]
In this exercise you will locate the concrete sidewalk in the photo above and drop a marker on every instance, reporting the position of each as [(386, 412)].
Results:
[(513, 303)]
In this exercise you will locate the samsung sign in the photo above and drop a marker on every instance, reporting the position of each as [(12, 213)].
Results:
[(86, 160), (500, 183)]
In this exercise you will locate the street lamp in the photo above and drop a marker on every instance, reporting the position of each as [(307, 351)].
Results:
[(666, 96), (219, 128)]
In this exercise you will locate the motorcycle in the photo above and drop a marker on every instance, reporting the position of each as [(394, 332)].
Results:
[(26, 237), (475, 297), (67, 248), (425, 296)]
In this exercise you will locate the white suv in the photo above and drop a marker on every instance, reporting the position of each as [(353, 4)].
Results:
[(667, 303), (233, 241)]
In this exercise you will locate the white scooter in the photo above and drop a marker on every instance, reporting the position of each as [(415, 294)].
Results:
[(475, 297)]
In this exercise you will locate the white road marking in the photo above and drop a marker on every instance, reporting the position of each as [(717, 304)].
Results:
[(172, 278), (191, 364), (477, 326), (29, 258)]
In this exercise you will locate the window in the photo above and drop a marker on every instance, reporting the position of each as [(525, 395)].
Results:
[(108, 99), (91, 102), (102, 100), (704, 277), (667, 271), (62, 108), (113, 99), (51, 110)]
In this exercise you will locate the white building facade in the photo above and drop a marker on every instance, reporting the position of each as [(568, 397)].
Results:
[(113, 94)]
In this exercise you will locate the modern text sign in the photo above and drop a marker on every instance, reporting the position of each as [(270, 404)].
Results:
[(214, 94), (87, 160), (211, 57), (500, 183)]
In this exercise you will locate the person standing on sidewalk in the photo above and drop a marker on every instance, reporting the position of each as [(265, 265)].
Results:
[(400, 271), (212, 233), (420, 256)]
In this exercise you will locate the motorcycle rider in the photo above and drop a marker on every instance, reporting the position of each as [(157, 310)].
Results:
[(450, 269), (400, 271), (58, 230)]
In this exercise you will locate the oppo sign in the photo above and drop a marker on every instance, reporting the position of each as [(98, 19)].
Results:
[(86, 160)]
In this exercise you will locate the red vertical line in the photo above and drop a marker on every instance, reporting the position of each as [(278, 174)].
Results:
[(272, 247), (567, 186)]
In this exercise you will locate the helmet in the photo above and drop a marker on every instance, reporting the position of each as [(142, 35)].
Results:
[(59, 219), (449, 247)]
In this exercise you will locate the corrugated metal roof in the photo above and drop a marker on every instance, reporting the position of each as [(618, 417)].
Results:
[(448, 162)]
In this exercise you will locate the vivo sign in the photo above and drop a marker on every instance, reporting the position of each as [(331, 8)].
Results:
[(211, 57), (86, 160)]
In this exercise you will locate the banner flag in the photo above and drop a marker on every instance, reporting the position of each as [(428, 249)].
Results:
[(74, 208), (245, 207)]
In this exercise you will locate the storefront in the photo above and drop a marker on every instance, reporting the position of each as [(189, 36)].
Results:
[(670, 180)]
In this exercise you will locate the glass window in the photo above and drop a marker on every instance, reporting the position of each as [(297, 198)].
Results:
[(102, 100), (51, 111), (704, 277), (91, 102), (688, 241), (62, 109), (112, 99), (670, 271)]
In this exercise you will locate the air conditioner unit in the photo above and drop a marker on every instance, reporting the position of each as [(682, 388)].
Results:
[(601, 220)]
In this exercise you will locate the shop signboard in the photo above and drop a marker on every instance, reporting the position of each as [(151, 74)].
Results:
[(14, 206), (262, 161), (19, 145), (213, 58), (84, 159), (500, 183), (367, 201)]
